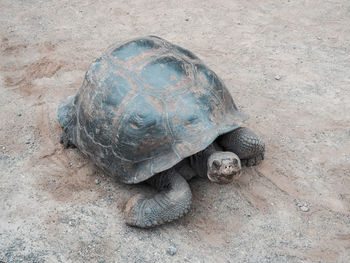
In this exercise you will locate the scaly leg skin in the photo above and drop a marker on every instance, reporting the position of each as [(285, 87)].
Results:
[(172, 202), (249, 147)]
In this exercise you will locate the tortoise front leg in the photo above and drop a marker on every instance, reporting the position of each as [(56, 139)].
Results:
[(173, 201), (249, 147)]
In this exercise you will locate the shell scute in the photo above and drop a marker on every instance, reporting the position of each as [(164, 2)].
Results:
[(134, 48)]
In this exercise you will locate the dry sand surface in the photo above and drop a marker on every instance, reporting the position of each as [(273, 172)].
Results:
[(287, 65)]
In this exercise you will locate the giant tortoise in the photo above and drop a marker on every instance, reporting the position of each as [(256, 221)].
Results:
[(151, 111)]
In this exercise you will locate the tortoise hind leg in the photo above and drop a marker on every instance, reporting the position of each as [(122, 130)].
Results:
[(249, 147), (66, 115), (172, 202), (66, 141)]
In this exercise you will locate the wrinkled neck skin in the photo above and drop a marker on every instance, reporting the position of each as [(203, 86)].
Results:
[(199, 161)]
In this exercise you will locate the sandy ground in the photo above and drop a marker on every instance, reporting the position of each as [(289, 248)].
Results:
[(286, 63)]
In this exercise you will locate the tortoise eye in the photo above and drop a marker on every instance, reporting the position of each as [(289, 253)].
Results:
[(235, 163), (216, 164)]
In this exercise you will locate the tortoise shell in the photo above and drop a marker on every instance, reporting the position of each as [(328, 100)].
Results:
[(147, 104)]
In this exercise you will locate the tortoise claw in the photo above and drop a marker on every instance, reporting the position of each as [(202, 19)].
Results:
[(131, 211), (253, 161)]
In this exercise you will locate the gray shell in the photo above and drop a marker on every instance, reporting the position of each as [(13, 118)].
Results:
[(144, 106)]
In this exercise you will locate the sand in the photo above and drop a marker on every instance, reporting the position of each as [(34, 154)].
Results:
[(287, 65)]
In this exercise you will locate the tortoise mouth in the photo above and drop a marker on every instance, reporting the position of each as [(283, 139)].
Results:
[(224, 178)]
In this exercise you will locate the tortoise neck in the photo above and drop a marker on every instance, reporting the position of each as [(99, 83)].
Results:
[(199, 161)]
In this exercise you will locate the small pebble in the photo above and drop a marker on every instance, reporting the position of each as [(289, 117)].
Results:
[(172, 250), (28, 140), (19, 114), (277, 77), (304, 208), (97, 181)]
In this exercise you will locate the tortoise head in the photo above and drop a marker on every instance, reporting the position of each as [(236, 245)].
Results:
[(223, 167)]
